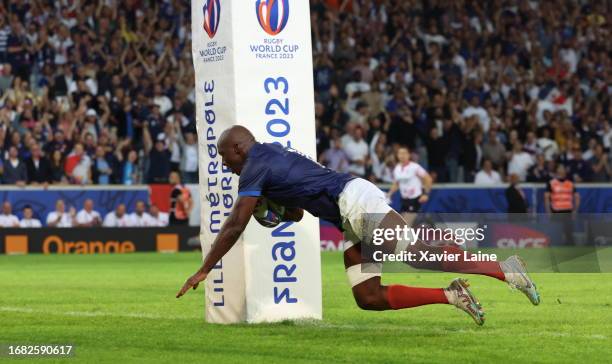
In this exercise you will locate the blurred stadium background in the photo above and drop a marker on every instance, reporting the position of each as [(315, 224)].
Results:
[(97, 107)]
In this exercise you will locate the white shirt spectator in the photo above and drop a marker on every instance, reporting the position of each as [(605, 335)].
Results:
[(481, 113), (356, 150), (142, 220), (65, 221), (487, 179), (160, 220), (353, 87), (82, 170), (61, 46), (569, 56), (548, 147), (112, 220), (519, 164), (30, 223), (191, 157), (84, 217), (164, 103), (408, 178), (8, 221)]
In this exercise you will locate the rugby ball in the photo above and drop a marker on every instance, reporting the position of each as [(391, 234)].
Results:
[(268, 213)]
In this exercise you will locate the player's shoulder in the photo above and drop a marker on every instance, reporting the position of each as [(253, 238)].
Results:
[(266, 149)]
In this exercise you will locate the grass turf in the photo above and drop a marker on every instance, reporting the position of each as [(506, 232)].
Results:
[(121, 308)]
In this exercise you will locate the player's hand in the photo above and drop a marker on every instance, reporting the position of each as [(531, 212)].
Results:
[(192, 282), (423, 199)]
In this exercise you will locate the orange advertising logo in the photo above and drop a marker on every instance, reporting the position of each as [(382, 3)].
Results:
[(16, 244), (167, 243), (54, 244)]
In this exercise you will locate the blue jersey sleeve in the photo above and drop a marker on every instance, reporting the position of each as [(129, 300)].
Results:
[(252, 179)]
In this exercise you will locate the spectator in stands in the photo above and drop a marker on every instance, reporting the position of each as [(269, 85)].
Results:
[(78, 165), (579, 169), (14, 169), (60, 218), (101, 169), (28, 220), (472, 154), (475, 109), (600, 163), (88, 217), (118, 218), (548, 146), (140, 217), (158, 218), (57, 167), (539, 172), (520, 161), (517, 204), (159, 157), (357, 151), (181, 202), (98, 76), (38, 167), (487, 176), (335, 158), (7, 219), (437, 149), (189, 156), (493, 150)]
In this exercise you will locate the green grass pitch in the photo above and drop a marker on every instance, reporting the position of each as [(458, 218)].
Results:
[(121, 308)]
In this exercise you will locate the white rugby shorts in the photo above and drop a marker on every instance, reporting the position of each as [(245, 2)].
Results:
[(362, 205)]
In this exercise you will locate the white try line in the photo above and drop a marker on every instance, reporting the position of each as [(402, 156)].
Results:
[(139, 315)]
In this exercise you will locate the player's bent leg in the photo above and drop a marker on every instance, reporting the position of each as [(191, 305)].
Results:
[(462, 265), (370, 294)]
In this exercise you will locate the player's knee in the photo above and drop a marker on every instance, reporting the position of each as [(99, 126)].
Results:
[(371, 301)]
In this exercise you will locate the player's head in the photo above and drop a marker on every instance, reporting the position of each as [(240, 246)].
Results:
[(403, 155), (234, 145), (153, 210)]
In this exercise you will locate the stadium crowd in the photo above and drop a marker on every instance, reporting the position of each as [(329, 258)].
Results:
[(101, 91)]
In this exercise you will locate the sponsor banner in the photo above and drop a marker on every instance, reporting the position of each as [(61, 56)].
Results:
[(225, 299), (332, 238), (522, 235), (98, 240)]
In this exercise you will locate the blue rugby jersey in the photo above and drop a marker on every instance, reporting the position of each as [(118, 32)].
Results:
[(291, 179)]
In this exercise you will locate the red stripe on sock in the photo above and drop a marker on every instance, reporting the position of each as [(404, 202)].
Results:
[(491, 269), (404, 297)]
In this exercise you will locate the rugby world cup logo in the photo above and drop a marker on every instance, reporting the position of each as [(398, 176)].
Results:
[(212, 14), (272, 15)]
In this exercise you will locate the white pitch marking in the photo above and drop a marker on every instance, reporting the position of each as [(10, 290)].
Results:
[(96, 314)]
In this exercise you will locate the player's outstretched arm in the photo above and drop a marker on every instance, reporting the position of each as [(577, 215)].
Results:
[(227, 237)]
